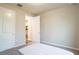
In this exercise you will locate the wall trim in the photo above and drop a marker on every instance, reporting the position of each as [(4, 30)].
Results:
[(17, 45), (59, 45)]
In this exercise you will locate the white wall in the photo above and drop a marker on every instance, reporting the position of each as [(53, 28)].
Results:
[(60, 26), (20, 24), (20, 28)]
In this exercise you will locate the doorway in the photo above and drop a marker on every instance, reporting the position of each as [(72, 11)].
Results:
[(28, 38), (32, 29)]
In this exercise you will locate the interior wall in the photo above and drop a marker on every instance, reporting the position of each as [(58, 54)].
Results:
[(20, 28), (60, 26), (20, 24)]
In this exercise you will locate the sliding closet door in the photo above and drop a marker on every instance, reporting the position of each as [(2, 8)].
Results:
[(7, 28)]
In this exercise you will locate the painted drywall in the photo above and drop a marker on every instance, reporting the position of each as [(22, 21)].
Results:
[(20, 28), (20, 24), (60, 26)]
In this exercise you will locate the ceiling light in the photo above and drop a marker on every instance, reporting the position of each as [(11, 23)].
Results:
[(19, 5)]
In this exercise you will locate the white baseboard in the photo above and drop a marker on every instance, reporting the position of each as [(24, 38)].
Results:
[(19, 44), (59, 45)]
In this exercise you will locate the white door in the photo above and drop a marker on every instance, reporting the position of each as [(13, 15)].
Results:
[(35, 29), (7, 29)]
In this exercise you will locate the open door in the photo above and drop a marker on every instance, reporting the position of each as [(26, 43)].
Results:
[(36, 29), (33, 31)]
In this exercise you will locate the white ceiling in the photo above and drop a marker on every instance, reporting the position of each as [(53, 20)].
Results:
[(37, 8)]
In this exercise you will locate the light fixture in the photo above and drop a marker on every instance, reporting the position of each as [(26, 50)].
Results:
[(19, 5)]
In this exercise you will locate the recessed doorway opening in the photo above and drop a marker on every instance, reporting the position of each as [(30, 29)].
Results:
[(28, 33), (32, 29)]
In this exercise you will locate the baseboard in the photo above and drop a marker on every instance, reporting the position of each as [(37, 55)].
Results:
[(54, 44), (19, 44)]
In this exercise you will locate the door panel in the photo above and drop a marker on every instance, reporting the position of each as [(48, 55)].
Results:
[(9, 23), (7, 41), (7, 29), (1, 22), (36, 29)]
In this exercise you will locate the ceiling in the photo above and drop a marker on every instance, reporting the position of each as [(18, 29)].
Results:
[(37, 8)]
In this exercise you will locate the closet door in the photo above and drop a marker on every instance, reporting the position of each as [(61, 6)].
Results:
[(0, 22), (1, 38), (7, 38)]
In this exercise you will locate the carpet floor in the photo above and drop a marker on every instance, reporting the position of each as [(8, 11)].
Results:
[(15, 51)]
